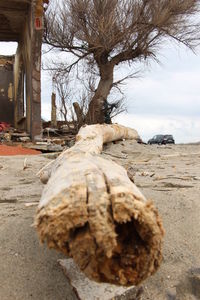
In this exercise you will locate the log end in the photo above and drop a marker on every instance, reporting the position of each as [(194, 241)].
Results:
[(136, 247)]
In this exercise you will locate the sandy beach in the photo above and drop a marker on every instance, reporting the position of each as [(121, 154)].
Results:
[(169, 175)]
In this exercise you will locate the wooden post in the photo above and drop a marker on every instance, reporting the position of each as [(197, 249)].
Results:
[(53, 111)]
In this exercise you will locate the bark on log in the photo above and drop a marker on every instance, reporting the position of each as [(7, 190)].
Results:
[(92, 212)]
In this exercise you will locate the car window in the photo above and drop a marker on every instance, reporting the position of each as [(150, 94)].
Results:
[(158, 136)]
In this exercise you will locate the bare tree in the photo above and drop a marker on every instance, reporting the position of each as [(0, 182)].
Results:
[(63, 91), (107, 33), (72, 103)]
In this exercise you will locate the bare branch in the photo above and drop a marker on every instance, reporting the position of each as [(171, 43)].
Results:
[(107, 33)]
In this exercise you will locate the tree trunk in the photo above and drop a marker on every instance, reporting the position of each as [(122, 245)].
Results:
[(92, 212), (95, 112), (63, 109), (79, 114)]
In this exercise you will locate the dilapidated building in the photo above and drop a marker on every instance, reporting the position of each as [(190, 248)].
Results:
[(21, 21)]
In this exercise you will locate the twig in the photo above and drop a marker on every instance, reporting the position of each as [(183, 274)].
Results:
[(25, 166), (43, 168)]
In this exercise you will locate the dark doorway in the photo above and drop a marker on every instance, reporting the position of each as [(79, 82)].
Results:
[(6, 90)]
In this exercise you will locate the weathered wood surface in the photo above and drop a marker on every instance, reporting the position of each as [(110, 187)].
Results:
[(92, 212)]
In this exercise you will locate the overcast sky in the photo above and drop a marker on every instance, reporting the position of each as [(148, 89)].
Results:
[(165, 100)]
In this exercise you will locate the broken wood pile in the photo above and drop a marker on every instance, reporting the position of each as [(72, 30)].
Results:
[(10, 134), (92, 212)]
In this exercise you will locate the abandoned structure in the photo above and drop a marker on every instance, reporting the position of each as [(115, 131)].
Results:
[(21, 21)]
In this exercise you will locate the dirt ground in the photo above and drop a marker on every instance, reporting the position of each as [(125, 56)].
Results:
[(169, 175)]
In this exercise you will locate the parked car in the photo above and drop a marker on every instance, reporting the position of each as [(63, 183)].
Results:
[(162, 139), (168, 139), (157, 139)]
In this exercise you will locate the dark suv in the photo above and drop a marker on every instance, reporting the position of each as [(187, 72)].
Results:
[(168, 139), (161, 139)]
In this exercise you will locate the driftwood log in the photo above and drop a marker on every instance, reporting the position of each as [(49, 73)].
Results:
[(92, 212)]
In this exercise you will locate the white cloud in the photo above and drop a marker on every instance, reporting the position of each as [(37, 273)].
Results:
[(172, 93), (184, 129)]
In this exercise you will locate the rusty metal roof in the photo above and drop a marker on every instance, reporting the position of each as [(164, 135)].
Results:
[(12, 18)]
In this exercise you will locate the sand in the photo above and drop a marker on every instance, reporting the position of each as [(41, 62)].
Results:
[(169, 175)]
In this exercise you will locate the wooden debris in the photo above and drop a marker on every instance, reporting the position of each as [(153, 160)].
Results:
[(175, 185), (145, 174), (92, 212), (131, 173), (24, 139), (16, 136), (46, 147), (116, 156), (29, 204), (25, 166)]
